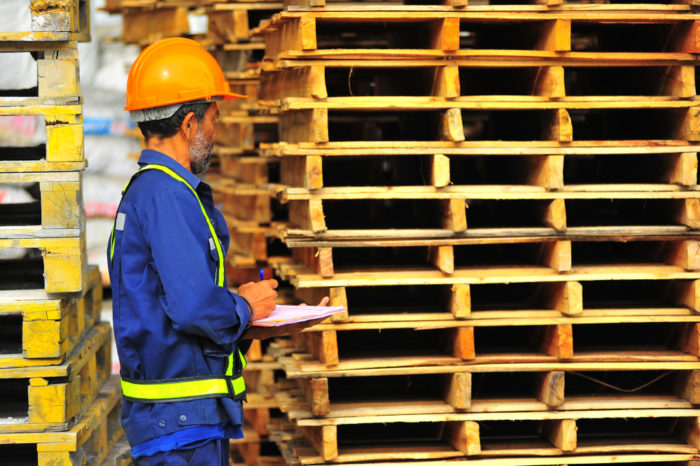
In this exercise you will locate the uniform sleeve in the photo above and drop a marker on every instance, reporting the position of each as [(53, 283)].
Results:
[(180, 245)]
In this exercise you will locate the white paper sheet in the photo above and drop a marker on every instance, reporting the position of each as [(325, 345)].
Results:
[(285, 315)]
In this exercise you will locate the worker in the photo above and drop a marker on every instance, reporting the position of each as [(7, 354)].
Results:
[(181, 335)]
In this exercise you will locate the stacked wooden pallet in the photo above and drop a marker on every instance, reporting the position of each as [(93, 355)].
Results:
[(553, 322), (54, 355)]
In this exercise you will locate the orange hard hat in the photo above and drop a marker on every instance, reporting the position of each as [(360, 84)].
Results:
[(175, 71)]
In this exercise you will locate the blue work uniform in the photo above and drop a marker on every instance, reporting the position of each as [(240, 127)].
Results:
[(171, 320)]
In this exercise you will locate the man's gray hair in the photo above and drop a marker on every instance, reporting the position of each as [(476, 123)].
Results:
[(166, 111)]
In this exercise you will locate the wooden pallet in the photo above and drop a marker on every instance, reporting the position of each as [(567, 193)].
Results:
[(523, 434), (57, 101), (492, 32), (35, 326), (476, 173), (54, 21), (299, 451), (247, 169), (237, 135), (88, 442), (243, 201), (55, 265), (616, 295), (323, 125), (302, 5), (42, 397), (373, 216), (487, 392), (500, 341), (228, 23), (519, 83), (446, 257), (232, 22), (57, 212)]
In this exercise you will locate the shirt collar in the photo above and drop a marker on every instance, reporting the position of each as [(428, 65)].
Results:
[(149, 156)]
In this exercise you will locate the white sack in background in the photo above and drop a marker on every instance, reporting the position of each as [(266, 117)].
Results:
[(15, 17), (12, 194), (101, 194), (22, 130), (109, 155)]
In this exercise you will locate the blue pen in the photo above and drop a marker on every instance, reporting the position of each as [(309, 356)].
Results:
[(262, 274)]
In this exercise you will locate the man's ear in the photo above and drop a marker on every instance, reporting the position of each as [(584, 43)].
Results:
[(189, 126)]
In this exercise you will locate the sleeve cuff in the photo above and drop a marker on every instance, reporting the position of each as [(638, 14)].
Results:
[(251, 313)]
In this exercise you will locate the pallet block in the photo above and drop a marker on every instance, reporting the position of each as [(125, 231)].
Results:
[(88, 442), (48, 328), (58, 395)]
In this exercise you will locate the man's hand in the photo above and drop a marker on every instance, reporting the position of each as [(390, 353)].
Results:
[(260, 295), (262, 333)]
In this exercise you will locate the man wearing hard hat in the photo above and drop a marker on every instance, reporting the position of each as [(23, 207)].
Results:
[(178, 328)]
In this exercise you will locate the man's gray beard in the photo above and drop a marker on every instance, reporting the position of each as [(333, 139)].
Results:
[(200, 152)]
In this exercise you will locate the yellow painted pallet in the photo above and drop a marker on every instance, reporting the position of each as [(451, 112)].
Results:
[(38, 326), (88, 442), (54, 21), (43, 398), (59, 205), (54, 265), (58, 102)]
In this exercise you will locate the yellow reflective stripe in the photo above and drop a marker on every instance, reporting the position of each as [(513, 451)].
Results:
[(238, 385), (114, 226), (243, 361), (229, 366), (183, 389)]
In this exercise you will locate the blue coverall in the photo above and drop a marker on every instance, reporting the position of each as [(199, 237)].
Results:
[(171, 320)]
